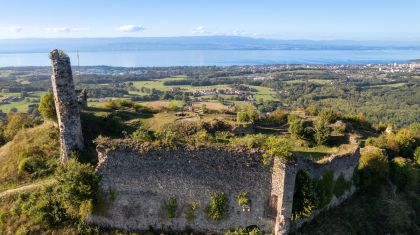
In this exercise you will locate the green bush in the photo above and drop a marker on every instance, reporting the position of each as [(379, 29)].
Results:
[(248, 115), (243, 198), (277, 117), (321, 132), (249, 141), (406, 139), (250, 230), (325, 188), (379, 142), (328, 115), (276, 147), (142, 134), (47, 107), (304, 197), (168, 138), (296, 126), (171, 206), (217, 207), (403, 174), (190, 211), (417, 155), (15, 123), (373, 166), (29, 165), (77, 183)]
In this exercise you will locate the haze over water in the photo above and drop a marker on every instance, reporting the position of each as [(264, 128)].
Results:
[(149, 58)]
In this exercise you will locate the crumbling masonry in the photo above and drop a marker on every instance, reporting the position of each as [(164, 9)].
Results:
[(136, 184), (66, 104)]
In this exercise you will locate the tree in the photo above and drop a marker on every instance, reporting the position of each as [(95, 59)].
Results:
[(15, 122), (417, 155), (328, 115), (321, 131), (278, 117), (296, 126), (373, 166), (47, 107), (248, 115), (276, 147), (403, 174), (405, 139)]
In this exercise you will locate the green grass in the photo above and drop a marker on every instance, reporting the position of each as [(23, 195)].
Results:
[(21, 106), (314, 153), (317, 81), (158, 84), (264, 93), (393, 85)]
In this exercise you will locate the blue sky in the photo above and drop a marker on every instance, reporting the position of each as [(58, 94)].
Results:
[(282, 19)]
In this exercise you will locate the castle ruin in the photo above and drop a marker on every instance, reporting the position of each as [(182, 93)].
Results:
[(66, 104), (137, 184)]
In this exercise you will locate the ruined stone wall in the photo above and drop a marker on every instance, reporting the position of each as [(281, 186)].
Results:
[(141, 184), (66, 104), (340, 165)]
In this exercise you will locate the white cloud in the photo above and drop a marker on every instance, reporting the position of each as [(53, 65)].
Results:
[(129, 28), (201, 30), (16, 29), (65, 30)]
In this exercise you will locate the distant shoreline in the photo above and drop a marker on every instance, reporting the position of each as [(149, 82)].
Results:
[(170, 58)]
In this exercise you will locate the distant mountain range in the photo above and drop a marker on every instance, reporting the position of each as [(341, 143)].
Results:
[(33, 45)]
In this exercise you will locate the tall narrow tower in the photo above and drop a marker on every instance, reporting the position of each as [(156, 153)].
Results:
[(66, 104)]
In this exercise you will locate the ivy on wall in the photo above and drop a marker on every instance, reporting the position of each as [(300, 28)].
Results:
[(311, 194)]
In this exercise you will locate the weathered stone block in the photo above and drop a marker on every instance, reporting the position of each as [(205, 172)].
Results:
[(66, 104)]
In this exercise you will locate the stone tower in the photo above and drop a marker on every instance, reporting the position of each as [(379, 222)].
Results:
[(66, 104)]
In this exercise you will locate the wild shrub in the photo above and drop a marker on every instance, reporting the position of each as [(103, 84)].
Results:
[(171, 206), (217, 207), (304, 197), (77, 183), (321, 132), (296, 126), (248, 115), (243, 198), (325, 188), (277, 117), (249, 141), (405, 139), (142, 135), (417, 155), (168, 138), (373, 166), (379, 142), (190, 210), (15, 123), (47, 107), (276, 147), (403, 174), (328, 115)]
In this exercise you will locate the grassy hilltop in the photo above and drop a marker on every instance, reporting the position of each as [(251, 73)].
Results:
[(286, 113)]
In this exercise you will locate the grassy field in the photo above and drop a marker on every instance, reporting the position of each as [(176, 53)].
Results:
[(264, 93), (393, 85), (22, 105), (316, 81), (159, 85)]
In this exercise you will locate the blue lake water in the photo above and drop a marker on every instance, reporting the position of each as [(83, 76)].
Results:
[(217, 57)]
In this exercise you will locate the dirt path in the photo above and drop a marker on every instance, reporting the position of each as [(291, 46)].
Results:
[(27, 187)]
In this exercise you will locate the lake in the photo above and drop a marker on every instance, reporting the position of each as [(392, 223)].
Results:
[(149, 58)]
